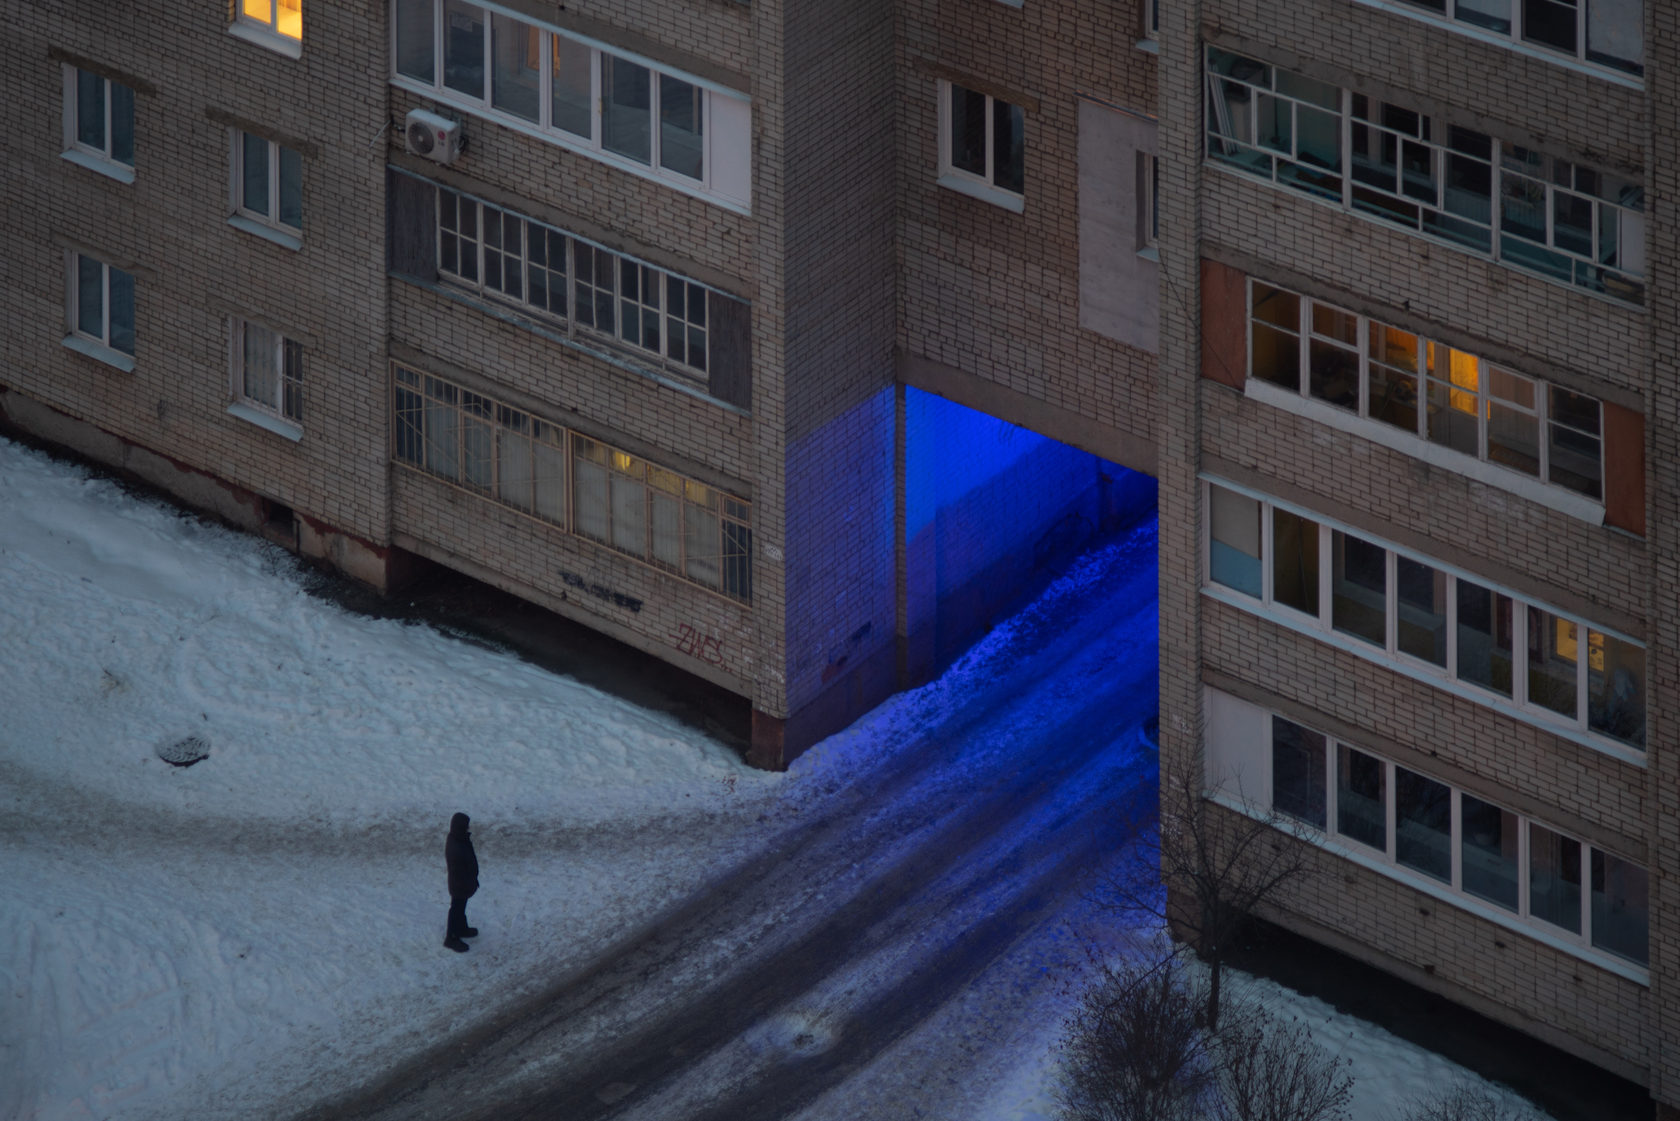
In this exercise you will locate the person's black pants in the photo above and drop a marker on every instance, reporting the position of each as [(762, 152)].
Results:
[(457, 927)]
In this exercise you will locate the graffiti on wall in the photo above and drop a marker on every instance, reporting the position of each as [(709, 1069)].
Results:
[(697, 644), (599, 591)]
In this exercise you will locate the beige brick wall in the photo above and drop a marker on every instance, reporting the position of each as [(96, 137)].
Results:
[(1524, 982), (993, 293), (838, 360), (1586, 343), (193, 271)]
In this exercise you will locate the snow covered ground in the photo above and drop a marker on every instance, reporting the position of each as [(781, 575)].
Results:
[(234, 938)]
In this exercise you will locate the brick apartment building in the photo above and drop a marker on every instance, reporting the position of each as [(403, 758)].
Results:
[(729, 329)]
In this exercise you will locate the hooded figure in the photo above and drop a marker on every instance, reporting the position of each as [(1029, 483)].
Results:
[(462, 862)]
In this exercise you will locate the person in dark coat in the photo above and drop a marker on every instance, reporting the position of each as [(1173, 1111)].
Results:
[(462, 862)]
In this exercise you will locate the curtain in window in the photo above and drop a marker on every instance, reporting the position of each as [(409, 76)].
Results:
[(548, 456), (589, 489), (261, 378), (513, 458), (442, 430), (629, 505)]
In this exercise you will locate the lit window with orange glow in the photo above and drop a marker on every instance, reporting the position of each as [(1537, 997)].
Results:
[(284, 17)]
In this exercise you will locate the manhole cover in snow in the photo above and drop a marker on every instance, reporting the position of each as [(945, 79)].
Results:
[(802, 1033), (184, 752)]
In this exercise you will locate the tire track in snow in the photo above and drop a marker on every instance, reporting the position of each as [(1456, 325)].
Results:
[(591, 1047)]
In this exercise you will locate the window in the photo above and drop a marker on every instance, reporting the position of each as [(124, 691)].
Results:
[(1297, 772), (1434, 833), (1396, 379), (628, 111), (1606, 33), (100, 310), (1428, 622), (267, 372), (1361, 801), (677, 524), (99, 123), (1567, 222), (627, 503), (1148, 196), (543, 269), (981, 145), (275, 23), (267, 188)]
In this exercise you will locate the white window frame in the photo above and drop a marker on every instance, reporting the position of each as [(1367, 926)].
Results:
[(101, 159), (100, 346), (282, 413), (1415, 442), (1321, 626), (1238, 146), (965, 181), (1148, 205), (266, 30), (725, 172), (1629, 72), (268, 225), (1253, 752)]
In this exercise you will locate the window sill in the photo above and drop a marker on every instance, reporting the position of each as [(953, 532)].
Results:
[(1491, 474), (1300, 624), (109, 168), (285, 428), (1444, 893), (266, 37), (267, 233), (1150, 253), (1008, 200), (1148, 46), (100, 352)]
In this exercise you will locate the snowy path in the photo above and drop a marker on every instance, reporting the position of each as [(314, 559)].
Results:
[(808, 962), (882, 933)]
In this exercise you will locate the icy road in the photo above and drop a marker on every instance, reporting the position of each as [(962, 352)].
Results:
[(777, 982)]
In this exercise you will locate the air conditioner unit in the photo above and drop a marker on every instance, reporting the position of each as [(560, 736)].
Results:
[(437, 138)]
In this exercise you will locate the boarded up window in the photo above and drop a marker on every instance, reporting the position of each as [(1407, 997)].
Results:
[(1624, 469), (1224, 324), (731, 341), (410, 226), (1118, 275)]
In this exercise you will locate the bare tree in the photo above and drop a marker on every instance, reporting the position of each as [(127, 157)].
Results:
[(1135, 1050), (1463, 1101), (1217, 867), (1270, 1070)]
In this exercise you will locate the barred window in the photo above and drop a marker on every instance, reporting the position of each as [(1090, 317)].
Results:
[(467, 438), (618, 499)]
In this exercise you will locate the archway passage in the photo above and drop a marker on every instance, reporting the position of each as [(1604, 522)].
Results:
[(992, 512)]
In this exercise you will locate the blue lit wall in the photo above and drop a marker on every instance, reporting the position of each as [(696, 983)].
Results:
[(992, 511)]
